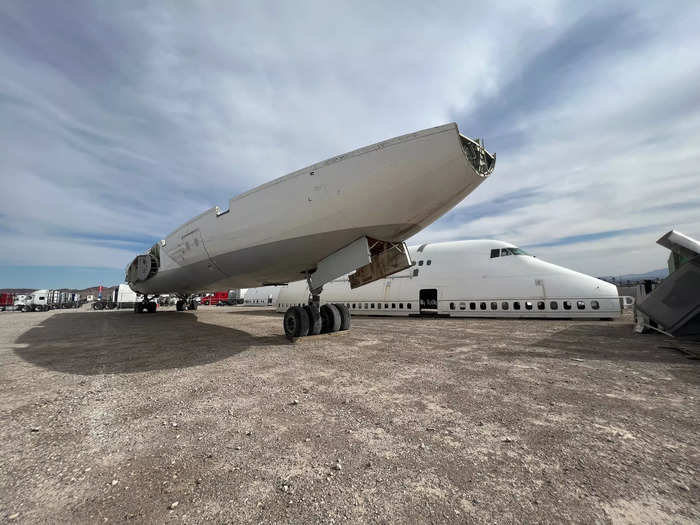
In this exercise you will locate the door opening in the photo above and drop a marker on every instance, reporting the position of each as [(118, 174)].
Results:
[(428, 301)]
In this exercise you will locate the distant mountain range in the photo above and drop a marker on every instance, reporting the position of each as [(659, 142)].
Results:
[(661, 273)]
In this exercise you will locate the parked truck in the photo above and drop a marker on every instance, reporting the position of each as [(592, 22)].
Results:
[(44, 300), (121, 297), (229, 298), (7, 301), (214, 298)]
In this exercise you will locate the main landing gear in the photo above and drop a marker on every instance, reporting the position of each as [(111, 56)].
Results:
[(314, 319), (184, 304), (147, 305)]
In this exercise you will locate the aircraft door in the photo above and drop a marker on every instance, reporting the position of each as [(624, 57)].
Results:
[(428, 301)]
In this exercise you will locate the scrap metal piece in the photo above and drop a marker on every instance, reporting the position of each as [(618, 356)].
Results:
[(674, 305), (345, 260), (387, 259)]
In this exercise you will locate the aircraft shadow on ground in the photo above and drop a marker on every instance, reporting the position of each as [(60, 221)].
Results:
[(608, 342), (261, 313), (90, 343)]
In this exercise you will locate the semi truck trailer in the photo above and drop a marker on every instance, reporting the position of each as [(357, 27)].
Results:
[(121, 297)]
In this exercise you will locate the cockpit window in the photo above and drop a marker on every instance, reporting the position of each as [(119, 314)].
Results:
[(512, 251), (495, 253)]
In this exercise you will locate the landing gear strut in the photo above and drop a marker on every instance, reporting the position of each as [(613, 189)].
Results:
[(314, 319)]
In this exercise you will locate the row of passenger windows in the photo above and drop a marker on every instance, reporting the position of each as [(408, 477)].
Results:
[(377, 306), (483, 305), (367, 306), (528, 305)]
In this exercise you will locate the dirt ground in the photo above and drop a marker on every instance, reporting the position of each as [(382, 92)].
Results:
[(214, 416)]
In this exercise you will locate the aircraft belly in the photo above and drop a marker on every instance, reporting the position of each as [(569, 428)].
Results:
[(277, 262)]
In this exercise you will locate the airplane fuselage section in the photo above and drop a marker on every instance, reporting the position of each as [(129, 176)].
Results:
[(279, 231)]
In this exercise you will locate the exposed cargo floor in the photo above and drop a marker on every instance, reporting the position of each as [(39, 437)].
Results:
[(110, 416)]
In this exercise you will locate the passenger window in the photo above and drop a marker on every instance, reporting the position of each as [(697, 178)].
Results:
[(540, 305), (372, 306), (415, 273), (494, 305), (379, 306), (353, 305), (462, 306), (408, 305), (495, 253), (553, 305), (567, 305), (365, 306), (580, 305), (528, 305), (452, 306), (595, 305), (516, 305), (482, 306), (504, 305), (386, 305), (420, 263), (472, 306), (428, 263), (401, 305), (393, 305)]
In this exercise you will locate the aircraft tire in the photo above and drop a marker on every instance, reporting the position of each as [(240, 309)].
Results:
[(296, 322), (151, 307), (193, 305), (315, 324), (330, 318), (344, 316), (97, 306), (180, 305)]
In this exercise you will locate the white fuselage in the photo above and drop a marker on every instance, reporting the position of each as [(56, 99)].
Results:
[(462, 279), (276, 232), (262, 296)]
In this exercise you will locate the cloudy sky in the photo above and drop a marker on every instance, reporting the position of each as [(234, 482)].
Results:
[(121, 120)]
